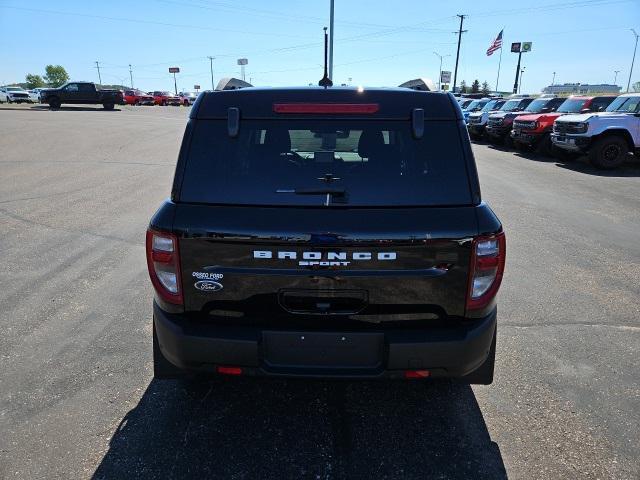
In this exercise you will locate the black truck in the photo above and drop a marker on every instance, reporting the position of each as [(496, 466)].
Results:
[(84, 93), (325, 232)]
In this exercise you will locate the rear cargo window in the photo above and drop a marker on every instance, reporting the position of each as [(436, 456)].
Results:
[(309, 162)]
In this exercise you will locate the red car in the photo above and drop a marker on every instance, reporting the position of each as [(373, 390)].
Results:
[(165, 98), (137, 97), (533, 131)]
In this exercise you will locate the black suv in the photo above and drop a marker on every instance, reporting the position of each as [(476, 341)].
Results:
[(328, 233)]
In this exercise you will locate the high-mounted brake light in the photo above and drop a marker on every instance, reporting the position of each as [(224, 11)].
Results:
[(163, 262), (486, 270), (344, 108)]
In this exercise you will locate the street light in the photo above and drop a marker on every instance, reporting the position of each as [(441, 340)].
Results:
[(633, 59), (440, 76), (553, 82), (615, 78), (521, 76)]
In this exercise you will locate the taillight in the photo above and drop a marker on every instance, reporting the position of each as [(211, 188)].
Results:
[(164, 265), (486, 270)]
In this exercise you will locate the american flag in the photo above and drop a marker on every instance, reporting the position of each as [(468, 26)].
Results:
[(497, 44)]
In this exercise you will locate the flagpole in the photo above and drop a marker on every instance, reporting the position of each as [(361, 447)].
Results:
[(500, 61)]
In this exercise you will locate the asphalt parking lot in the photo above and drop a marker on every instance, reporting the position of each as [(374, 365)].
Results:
[(77, 398)]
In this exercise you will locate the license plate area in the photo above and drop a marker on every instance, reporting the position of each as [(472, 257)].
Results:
[(323, 302), (304, 351)]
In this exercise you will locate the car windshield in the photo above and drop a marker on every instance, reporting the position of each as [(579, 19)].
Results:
[(625, 105), (326, 162), (472, 105), (510, 105), (572, 105), (492, 105), (537, 105), (465, 103), (14, 89)]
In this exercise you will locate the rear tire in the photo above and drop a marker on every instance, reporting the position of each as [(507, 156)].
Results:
[(483, 375), (609, 152), (163, 368), (54, 103)]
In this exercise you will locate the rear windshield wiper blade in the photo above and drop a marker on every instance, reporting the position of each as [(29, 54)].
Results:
[(314, 191)]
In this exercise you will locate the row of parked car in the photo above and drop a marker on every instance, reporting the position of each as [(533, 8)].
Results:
[(84, 92), (605, 128)]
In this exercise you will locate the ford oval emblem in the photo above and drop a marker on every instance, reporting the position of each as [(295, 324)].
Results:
[(208, 286)]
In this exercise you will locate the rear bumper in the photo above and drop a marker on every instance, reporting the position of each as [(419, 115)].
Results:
[(445, 352)]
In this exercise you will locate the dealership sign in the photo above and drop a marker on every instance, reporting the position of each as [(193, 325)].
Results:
[(445, 77), (174, 70)]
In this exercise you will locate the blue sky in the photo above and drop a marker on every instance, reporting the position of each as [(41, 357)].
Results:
[(376, 42)]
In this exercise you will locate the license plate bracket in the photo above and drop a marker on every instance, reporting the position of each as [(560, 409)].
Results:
[(322, 350)]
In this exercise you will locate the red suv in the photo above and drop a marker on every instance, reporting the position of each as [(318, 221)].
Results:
[(534, 131), (136, 97)]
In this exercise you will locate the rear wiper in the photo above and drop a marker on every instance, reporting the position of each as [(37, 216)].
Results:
[(338, 192)]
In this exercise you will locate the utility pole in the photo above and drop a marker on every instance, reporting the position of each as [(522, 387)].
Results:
[(459, 32), (440, 77), (211, 67), (131, 75), (633, 59), (99, 77), (553, 82), (521, 76), (615, 78), (331, 33)]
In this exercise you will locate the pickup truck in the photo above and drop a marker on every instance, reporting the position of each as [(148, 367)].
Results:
[(606, 137), (499, 124), (477, 121), (80, 93), (325, 232), (534, 130)]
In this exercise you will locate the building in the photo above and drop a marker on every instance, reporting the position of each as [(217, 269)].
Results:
[(581, 89)]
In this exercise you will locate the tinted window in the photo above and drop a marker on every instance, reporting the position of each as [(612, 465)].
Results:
[(600, 104), (371, 163), (85, 87), (572, 105)]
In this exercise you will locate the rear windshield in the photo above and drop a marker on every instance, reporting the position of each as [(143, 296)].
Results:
[(320, 162)]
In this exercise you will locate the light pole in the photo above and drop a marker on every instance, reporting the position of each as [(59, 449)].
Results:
[(440, 76), (615, 77), (521, 76), (331, 33), (211, 67), (633, 59), (553, 82), (131, 75)]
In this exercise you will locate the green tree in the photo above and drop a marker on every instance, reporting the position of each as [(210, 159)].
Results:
[(475, 86), (34, 81), (636, 87), (463, 87), (56, 75), (485, 88)]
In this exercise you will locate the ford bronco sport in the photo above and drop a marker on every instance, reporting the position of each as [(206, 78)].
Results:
[(325, 233)]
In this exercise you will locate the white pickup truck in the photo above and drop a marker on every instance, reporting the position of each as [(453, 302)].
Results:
[(606, 137)]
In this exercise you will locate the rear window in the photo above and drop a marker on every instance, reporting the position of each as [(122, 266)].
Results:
[(320, 162)]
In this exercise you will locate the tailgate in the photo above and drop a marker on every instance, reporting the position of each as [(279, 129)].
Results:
[(367, 264)]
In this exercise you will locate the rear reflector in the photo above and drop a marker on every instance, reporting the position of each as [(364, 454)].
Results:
[(345, 108), (417, 374), (486, 270), (229, 370)]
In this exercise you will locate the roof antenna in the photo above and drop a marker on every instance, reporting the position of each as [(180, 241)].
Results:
[(325, 81)]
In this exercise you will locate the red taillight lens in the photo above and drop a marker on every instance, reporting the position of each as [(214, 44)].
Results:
[(486, 270), (417, 374), (225, 370), (337, 108), (163, 262)]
